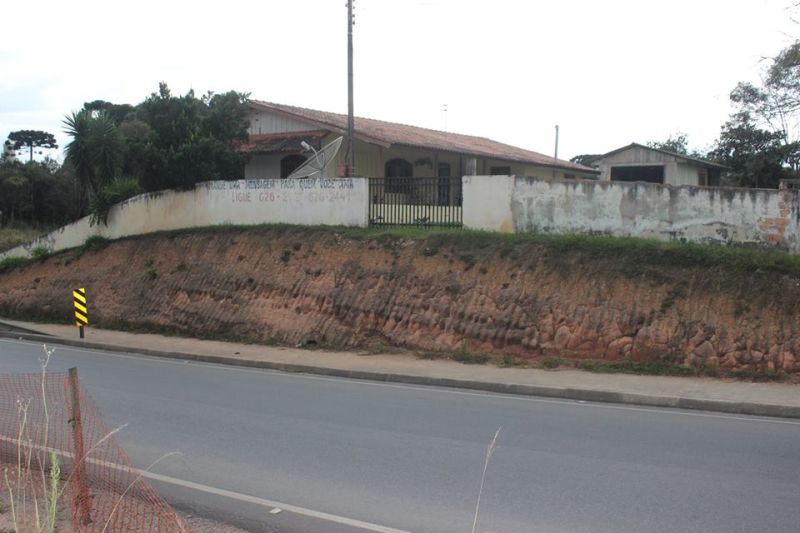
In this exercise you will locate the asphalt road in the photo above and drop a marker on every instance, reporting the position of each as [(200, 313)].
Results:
[(410, 458)]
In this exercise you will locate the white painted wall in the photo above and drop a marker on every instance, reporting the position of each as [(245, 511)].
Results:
[(272, 122), (263, 167), (487, 203), (340, 201), (697, 214)]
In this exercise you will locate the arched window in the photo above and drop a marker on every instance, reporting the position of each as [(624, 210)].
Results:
[(290, 163), (397, 172)]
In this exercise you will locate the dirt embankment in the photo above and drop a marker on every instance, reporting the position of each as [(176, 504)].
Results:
[(445, 292)]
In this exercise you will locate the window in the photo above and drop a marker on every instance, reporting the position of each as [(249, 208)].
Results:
[(702, 177), (290, 163), (443, 185), (398, 172), (500, 171), (647, 173)]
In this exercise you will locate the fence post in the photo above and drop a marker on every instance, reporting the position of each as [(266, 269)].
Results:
[(82, 500)]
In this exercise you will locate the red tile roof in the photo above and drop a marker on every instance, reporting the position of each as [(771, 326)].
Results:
[(389, 133), (288, 142)]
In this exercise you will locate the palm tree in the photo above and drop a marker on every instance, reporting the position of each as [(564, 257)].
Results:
[(79, 151), (95, 150)]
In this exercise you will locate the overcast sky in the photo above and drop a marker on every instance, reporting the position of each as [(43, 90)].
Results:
[(609, 73)]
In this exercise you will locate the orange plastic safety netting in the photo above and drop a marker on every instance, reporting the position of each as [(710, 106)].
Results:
[(55, 446)]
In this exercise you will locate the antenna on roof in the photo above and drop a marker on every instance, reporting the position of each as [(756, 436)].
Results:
[(444, 109), (314, 167)]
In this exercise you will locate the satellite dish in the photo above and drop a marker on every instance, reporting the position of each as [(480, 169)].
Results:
[(314, 167)]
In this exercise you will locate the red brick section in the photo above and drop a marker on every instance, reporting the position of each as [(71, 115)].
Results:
[(774, 228)]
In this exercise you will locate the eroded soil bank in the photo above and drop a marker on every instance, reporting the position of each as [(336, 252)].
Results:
[(587, 298)]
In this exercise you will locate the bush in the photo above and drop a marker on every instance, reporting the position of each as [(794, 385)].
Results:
[(115, 192), (11, 262), (40, 252), (94, 243)]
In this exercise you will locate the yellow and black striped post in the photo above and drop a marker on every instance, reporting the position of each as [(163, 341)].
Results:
[(81, 308)]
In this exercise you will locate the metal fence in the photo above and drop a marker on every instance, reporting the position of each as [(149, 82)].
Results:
[(425, 202)]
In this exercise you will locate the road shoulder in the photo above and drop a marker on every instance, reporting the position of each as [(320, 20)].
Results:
[(709, 394)]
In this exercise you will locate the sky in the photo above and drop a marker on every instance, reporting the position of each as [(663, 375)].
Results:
[(608, 73)]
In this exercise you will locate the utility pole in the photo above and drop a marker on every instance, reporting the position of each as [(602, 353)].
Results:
[(350, 121), (556, 155)]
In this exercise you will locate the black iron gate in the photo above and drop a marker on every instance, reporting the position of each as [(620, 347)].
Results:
[(426, 202)]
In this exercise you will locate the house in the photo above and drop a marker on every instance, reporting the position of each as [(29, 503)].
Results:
[(385, 149), (637, 162)]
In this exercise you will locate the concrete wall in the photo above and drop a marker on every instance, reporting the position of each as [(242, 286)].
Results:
[(341, 201), (761, 217)]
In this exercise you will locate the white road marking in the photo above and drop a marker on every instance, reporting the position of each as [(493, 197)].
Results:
[(274, 506), (367, 526), (361, 382)]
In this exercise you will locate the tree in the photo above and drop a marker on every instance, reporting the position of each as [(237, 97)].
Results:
[(676, 143), (774, 105), (116, 112), (31, 139), (37, 193), (95, 151), (585, 159), (755, 156), (193, 139)]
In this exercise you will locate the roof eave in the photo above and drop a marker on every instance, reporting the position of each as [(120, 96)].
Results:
[(334, 128)]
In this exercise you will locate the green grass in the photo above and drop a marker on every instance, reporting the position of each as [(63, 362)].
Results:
[(469, 358), (11, 236), (551, 362), (94, 243), (10, 263), (633, 251), (40, 253)]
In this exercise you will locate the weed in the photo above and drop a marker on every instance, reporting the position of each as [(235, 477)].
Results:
[(151, 273), (471, 358), (676, 292), (296, 245), (149, 262), (468, 260), (430, 251), (286, 255), (181, 267), (510, 360), (376, 348), (40, 253), (429, 356), (489, 452), (11, 236), (551, 362), (10, 263), (655, 368), (94, 243), (483, 270)]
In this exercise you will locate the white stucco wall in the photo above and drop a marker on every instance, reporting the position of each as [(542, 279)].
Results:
[(697, 214), (263, 167), (335, 202), (487, 203)]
